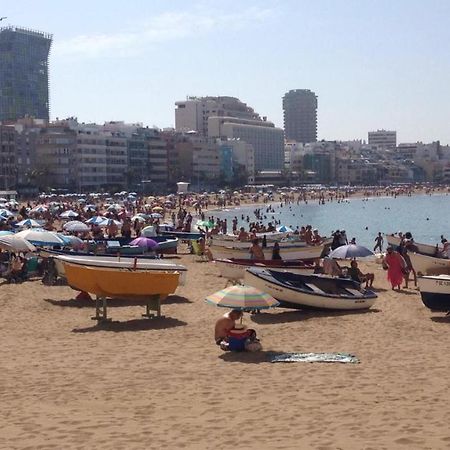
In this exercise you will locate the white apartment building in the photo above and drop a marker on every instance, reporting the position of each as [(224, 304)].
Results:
[(193, 113), (100, 158), (383, 138), (266, 139)]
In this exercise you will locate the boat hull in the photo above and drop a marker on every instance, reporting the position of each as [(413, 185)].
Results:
[(293, 298), (435, 292), (120, 283), (425, 249), (234, 270), (428, 265), (288, 253), (119, 263)]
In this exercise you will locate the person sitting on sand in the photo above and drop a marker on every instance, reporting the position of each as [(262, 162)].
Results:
[(256, 251), (355, 274), (226, 323)]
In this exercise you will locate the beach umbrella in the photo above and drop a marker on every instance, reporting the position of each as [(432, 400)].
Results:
[(138, 217), (13, 243), (109, 222), (75, 226), (242, 297), (30, 223), (96, 220), (204, 224), (156, 216), (39, 209), (89, 207), (6, 213), (68, 214), (157, 208), (350, 251), (5, 233), (41, 237), (144, 242), (3, 200), (285, 229), (73, 241), (115, 207)]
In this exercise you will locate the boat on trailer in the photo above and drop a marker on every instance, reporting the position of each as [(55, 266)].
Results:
[(120, 262), (311, 291), (435, 292)]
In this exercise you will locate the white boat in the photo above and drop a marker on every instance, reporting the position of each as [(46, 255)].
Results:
[(288, 253), (218, 242), (234, 269), (435, 292), (310, 291), (425, 249), (429, 265), (271, 236), (119, 263)]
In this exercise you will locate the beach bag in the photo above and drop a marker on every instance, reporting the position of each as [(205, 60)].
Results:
[(252, 346), (236, 344)]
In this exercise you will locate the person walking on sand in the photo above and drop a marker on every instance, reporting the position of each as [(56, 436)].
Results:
[(379, 242), (396, 267)]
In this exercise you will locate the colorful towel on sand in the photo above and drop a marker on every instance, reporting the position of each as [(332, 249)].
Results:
[(313, 357)]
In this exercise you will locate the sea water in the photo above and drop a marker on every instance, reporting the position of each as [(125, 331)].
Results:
[(427, 217)]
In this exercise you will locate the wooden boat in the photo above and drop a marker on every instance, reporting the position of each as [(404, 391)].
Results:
[(151, 286), (183, 236), (425, 249), (220, 241), (310, 291), (234, 269), (288, 253), (117, 263), (120, 282), (429, 265), (166, 245), (435, 292), (271, 236), (47, 253), (217, 241)]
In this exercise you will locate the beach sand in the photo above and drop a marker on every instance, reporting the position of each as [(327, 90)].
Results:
[(67, 383)]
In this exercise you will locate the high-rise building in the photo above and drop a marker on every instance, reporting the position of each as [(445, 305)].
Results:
[(383, 138), (300, 115), (24, 73)]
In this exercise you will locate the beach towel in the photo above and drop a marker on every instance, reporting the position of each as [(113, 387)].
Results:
[(313, 357)]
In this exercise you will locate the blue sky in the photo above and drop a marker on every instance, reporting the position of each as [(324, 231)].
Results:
[(373, 64)]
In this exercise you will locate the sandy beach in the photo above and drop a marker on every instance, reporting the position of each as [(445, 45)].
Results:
[(148, 384)]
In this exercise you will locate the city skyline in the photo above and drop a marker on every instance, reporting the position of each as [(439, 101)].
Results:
[(374, 66)]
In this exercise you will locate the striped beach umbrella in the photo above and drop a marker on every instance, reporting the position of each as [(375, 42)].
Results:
[(242, 297)]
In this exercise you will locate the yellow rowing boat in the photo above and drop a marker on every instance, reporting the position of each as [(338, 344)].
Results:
[(121, 283)]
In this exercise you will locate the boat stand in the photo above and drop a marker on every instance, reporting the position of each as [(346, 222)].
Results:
[(153, 304), (101, 312)]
